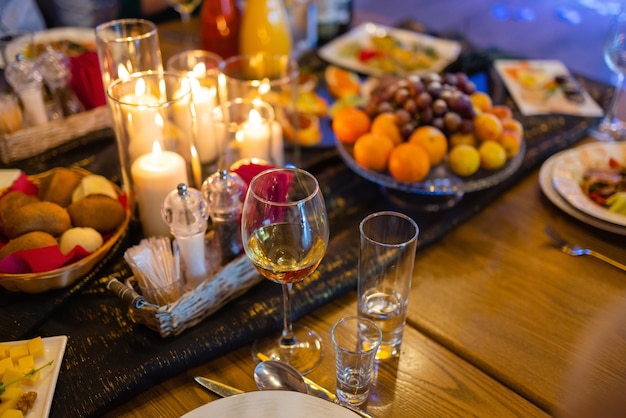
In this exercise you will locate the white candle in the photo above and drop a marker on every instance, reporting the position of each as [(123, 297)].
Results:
[(143, 121), (204, 100), (254, 138), (278, 151), (154, 176)]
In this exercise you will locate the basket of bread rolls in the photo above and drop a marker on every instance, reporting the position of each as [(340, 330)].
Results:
[(56, 226)]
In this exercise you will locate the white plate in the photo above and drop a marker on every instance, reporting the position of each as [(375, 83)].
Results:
[(271, 404), (448, 51), (570, 167), (545, 183), (79, 35), (54, 349)]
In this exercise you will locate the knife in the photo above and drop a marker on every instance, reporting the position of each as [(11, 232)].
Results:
[(218, 388)]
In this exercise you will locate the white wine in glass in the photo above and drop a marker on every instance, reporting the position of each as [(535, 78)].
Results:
[(613, 126), (185, 8), (284, 229)]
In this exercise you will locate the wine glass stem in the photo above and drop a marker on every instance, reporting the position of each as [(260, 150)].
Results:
[(618, 96), (287, 338), (185, 18)]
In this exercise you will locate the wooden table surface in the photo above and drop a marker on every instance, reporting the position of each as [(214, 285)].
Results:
[(496, 316)]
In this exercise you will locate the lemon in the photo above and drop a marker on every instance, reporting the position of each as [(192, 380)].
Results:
[(464, 160), (492, 155)]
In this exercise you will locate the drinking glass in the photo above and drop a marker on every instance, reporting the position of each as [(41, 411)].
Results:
[(284, 230), (185, 8), (613, 126)]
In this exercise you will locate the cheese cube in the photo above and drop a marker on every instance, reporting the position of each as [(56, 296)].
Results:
[(9, 398), (5, 363), (26, 364), (35, 347), (11, 374), (12, 413), (32, 379), (4, 351), (18, 351)]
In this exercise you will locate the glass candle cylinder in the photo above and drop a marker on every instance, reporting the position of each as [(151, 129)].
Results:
[(155, 124), (127, 46), (271, 78), (243, 127), (202, 66)]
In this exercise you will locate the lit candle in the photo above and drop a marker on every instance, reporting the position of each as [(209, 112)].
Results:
[(155, 175), (143, 121), (254, 138), (204, 100)]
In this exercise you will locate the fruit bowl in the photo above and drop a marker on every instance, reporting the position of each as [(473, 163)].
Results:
[(442, 188)]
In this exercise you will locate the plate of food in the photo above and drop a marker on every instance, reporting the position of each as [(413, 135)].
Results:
[(56, 226), (592, 178), (431, 135), (44, 355), (72, 41), (375, 49)]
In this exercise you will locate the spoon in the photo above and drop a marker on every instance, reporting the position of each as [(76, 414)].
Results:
[(277, 375)]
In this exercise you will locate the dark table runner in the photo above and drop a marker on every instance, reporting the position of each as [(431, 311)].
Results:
[(109, 359)]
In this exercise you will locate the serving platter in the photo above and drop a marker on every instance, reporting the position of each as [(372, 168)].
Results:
[(271, 404), (340, 50), (547, 187), (54, 350), (569, 169)]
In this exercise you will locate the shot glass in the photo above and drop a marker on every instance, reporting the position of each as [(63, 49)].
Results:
[(355, 342), (386, 259)]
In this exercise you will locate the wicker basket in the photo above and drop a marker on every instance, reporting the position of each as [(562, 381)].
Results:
[(35, 140), (233, 280)]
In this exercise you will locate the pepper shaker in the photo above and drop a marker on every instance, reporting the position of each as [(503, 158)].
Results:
[(55, 69), (26, 80), (186, 212), (224, 190)]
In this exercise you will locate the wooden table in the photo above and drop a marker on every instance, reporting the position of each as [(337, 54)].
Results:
[(495, 319)]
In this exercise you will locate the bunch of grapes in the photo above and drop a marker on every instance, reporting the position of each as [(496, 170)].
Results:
[(432, 99)]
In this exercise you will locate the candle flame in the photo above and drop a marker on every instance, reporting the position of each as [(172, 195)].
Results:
[(264, 87), (122, 72), (239, 136), (199, 70), (140, 87), (254, 118)]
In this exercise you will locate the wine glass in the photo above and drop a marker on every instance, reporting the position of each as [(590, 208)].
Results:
[(613, 126), (185, 8), (284, 229)]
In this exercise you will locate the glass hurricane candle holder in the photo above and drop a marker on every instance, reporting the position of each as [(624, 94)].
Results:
[(155, 125)]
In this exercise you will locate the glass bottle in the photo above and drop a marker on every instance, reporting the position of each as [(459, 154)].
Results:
[(334, 19), (265, 28), (220, 26)]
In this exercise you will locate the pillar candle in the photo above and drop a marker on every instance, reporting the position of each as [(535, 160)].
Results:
[(155, 175), (254, 138)]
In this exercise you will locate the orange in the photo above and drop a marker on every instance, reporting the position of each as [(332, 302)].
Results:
[(501, 111), (385, 124), (372, 151), (487, 127), (432, 140), (459, 138), (350, 123), (481, 101), (492, 155), (511, 142), (513, 125), (341, 83), (409, 162), (464, 160)]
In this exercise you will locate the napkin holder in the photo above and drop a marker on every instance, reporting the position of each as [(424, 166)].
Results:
[(231, 281), (35, 140)]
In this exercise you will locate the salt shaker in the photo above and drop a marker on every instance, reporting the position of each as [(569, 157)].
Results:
[(55, 69), (23, 75), (186, 212), (224, 190)]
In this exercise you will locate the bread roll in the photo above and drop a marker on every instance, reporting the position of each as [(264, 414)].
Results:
[(10, 204), (94, 184), (28, 241), (88, 238), (59, 186), (39, 216), (99, 212)]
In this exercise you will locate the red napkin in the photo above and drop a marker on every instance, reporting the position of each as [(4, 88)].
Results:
[(87, 80)]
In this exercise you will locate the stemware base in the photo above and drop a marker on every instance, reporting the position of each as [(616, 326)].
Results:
[(304, 354), (609, 131)]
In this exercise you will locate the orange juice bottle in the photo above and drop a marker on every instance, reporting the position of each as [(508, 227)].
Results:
[(264, 28)]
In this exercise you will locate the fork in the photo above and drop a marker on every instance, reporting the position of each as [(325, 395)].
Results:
[(575, 250)]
